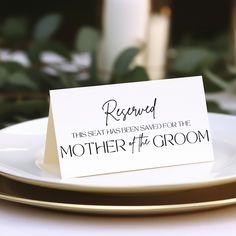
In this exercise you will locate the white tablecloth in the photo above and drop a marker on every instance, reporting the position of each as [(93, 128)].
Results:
[(16, 219)]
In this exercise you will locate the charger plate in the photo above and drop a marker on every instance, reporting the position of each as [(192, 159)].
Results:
[(22, 145), (143, 203)]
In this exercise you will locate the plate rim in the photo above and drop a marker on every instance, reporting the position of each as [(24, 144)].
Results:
[(118, 189), (125, 189), (121, 209)]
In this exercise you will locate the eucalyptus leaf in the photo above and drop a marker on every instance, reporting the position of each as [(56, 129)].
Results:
[(123, 61), (47, 26), (87, 39), (192, 60), (137, 74), (21, 79)]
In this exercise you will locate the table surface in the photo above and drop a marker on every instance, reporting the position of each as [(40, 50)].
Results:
[(18, 219)]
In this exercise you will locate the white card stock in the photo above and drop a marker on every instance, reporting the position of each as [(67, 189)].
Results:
[(124, 127)]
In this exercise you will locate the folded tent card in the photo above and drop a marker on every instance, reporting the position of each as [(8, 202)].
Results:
[(123, 127)]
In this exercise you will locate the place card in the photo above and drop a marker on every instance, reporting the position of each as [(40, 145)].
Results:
[(124, 127)]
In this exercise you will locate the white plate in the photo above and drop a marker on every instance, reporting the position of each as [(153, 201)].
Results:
[(22, 145)]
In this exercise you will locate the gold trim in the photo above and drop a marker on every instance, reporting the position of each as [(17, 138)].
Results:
[(121, 210)]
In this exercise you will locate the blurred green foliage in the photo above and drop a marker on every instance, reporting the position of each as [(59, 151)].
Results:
[(208, 57), (25, 81), (24, 86), (211, 58)]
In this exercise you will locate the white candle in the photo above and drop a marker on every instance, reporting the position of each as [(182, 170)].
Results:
[(124, 25), (157, 44)]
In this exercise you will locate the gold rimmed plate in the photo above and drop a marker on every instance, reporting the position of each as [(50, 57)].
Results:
[(23, 144)]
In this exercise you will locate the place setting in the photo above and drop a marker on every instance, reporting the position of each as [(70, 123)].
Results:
[(123, 149)]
